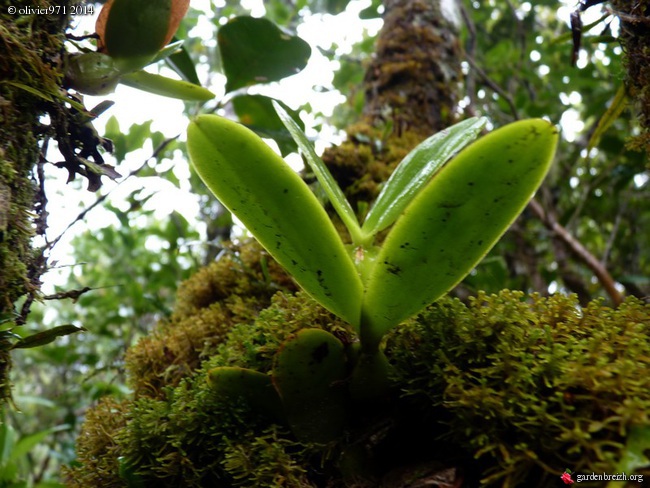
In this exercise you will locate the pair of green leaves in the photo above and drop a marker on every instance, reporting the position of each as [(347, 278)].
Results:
[(446, 212)]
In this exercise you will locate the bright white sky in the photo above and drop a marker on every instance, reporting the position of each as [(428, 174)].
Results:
[(134, 106)]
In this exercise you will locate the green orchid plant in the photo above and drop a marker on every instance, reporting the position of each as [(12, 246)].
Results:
[(131, 35), (448, 202)]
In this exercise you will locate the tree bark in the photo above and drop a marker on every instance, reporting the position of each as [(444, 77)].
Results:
[(412, 88), (31, 75)]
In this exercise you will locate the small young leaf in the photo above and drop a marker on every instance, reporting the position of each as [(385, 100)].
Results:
[(47, 336), (325, 178), (166, 87), (416, 170), (309, 372), (278, 208), (181, 62), (454, 221)]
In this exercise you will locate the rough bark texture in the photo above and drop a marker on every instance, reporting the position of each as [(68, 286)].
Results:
[(635, 38), (31, 74), (414, 78)]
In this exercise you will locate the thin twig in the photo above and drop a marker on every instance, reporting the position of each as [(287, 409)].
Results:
[(580, 251), (494, 86), (97, 202)]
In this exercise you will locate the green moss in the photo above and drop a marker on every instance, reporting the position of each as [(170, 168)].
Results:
[(268, 459), (529, 385), (231, 291), (510, 389), (97, 447)]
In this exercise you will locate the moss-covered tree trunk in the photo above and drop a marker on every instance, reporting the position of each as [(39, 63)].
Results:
[(31, 76), (411, 88)]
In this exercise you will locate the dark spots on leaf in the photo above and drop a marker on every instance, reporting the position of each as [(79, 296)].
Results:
[(480, 242), (320, 353), (285, 191), (392, 268), (278, 244), (470, 183), (497, 199), (450, 205), (321, 282), (294, 262)]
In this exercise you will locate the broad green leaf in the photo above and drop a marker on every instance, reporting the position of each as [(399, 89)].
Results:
[(47, 336), (134, 31), (416, 170), (257, 51), (454, 221), (255, 388), (634, 455), (325, 178), (257, 113), (278, 208)]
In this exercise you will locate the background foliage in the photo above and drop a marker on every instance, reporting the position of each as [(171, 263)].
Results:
[(517, 64)]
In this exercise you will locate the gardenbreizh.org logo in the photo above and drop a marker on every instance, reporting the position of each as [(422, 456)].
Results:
[(566, 477)]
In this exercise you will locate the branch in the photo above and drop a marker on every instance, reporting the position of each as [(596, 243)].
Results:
[(99, 200), (579, 251), (494, 86)]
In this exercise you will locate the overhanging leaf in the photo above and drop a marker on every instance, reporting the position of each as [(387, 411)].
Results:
[(257, 51), (257, 113)]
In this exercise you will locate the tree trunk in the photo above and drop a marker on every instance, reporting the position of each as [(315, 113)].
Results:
[(31, 74), (411, 88)]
